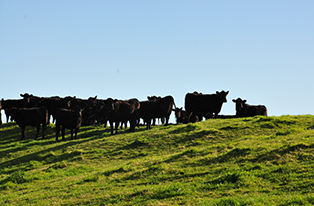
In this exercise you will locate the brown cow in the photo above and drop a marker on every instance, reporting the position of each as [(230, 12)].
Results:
[(245, 110)]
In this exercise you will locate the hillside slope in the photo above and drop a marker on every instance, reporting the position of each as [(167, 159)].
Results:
[(245, 161)]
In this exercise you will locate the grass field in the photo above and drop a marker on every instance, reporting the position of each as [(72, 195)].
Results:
[(245, 161)]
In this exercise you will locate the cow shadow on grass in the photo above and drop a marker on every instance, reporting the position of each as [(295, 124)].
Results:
[(276, 154), (236, 154), (46, 155)]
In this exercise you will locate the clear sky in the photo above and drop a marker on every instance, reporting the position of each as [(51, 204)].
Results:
[(261, 51)]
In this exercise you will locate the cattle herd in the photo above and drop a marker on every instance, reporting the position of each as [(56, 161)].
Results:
[(71, 112)]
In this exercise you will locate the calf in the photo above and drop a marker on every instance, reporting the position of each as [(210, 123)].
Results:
[(245, 110), (183, 117), (34, 117), (68, 119)]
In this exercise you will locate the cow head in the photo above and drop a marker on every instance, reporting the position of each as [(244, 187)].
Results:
[(109, 106), (67, 101), (27, 98), (92, 101), (153, 98), (239, 103), (78, 111), (222, 95), (178, 112)]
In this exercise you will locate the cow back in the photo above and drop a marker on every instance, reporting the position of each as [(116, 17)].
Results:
[(69, 118), (204, 103), (159, 108), (31, 116), (252, 110), (124, 109)]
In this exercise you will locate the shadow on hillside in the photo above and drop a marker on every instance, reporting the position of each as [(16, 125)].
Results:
[(12, 143), (273, 155), (232, 154), (6, 125), (45, 155)]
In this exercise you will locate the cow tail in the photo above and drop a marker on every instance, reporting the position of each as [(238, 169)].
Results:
[(174, 104)]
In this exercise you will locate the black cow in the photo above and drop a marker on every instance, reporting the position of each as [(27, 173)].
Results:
[(160, 108), (53, 104), (200, 104), (122, 111), (89, 107), (34, 117), (68, 119), (152, 99), (183, 117), (100, 112), (0, 113), (245, 110), (8, 104)]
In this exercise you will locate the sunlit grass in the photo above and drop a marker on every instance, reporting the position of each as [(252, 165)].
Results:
[(246, 161)]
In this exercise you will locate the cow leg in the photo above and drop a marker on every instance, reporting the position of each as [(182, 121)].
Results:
[(76, 131), (216, 115), (163, 120), (37, 131), (71, 133), (63, 131), (122, 123), (23, 128), (167, 120), (111, 127), (149, 123), (7, 115), (116, 126), (44, 128), (132, 125), (57, 131)]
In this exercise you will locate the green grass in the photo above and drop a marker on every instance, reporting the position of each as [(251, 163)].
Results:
[(245, 161)]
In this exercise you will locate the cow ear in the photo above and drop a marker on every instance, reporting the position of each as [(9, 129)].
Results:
[(234, 100), (244, 100), (227, 92)]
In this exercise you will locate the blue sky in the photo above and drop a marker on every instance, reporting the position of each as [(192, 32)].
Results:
[(262, 51)]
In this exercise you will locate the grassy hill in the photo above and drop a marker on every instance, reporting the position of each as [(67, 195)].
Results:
[(245, 161)]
